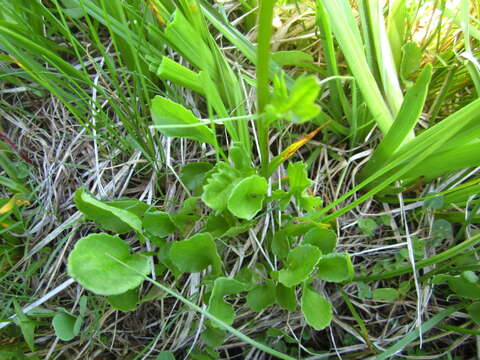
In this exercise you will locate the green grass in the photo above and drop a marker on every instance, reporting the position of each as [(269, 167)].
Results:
[(250, 187)]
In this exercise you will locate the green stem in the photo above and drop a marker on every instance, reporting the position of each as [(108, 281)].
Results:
[(265, 18), (446, 255)]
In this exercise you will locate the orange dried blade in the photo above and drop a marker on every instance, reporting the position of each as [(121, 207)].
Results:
[(292, 149), (8, 206), (155, 12), (5, 225), (22, 202)]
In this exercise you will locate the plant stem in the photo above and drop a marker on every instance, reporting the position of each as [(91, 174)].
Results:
[(265, 18)]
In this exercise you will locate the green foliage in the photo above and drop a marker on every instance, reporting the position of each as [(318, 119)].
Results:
[(298, 104), (316, 309), (217, 306), (174, 120), (124, 302), (98, 262), (261, 296), (106, 215), (64, 326), (196, 254), (299, 265), (335, 268), (385, 294), (246, 197)]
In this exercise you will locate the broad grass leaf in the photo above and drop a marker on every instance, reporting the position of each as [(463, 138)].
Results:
[(93, 264), (174, 120), (286, 297), (292, 57), (324, 239), (261, 296), (246, 198), (299, 265), (411, 59), (316, 310), (124, 302), (219, 184), (64, 326), (335, 267), (216, 304), (107, 216), (195, 254)]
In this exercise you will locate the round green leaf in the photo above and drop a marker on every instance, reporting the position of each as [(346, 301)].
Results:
[(286, 297), (261, 296), (124, 302), (246, 198), (216, 304), (316, 309), (64, 326), (195, 254), (335, 267), (158, 223), (300, 263), (324, 239), (93, 263)]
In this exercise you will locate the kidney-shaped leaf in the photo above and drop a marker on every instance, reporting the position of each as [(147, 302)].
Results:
[(246, 198), (158, 223), (64, 326), (219, 183), (324, 239), (261, 296), (174, 120), (217, 306), (335, 267), (317, 311), (300, 263), (107, 216), (93, 263), (124, 302), (195, 254)]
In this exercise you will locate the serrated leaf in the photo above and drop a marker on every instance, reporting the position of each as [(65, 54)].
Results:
[(298, 106), (335, 267), (299, 265), (64, 326), (106, 216), (158, 223), (193, 175), (316, 310), (196, 254), (286, 297), (217, 306), (124, 302), (261, 296), (93, 264), (219, 184), (246, 197), (324, 239), (174, 120)]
